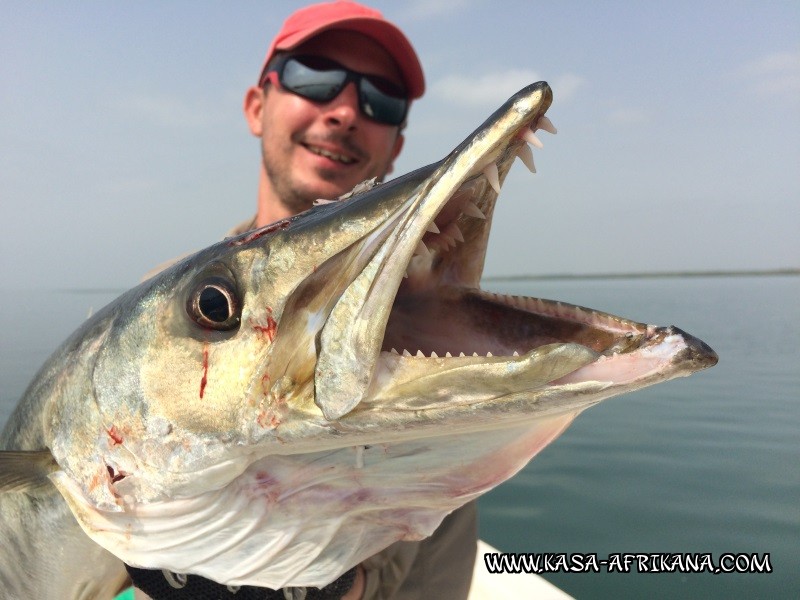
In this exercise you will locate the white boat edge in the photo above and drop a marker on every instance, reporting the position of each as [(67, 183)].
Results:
[(516, 586)]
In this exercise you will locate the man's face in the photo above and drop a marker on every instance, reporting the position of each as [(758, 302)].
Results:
[(312, 150)]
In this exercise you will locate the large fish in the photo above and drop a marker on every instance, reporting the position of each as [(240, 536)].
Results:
[(278, 407)]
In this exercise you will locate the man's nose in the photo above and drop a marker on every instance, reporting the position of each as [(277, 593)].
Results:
[(342, 111)]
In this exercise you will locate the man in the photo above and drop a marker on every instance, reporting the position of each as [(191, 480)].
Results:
[(329, 109)]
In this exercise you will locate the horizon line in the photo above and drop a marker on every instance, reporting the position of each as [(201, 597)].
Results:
[(650, 274)]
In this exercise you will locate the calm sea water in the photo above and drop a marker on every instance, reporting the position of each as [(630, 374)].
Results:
[(710, 463), (705, 464)]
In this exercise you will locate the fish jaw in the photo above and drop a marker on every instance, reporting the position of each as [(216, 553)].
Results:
[(352, 337)]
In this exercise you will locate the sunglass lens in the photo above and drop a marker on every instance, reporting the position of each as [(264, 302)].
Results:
[(320, 85), (379, 105)]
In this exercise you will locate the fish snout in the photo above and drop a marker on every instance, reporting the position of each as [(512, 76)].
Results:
[(697, 355)]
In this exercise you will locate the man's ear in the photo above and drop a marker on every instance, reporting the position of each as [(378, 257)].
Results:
[(398, 146), (253, 109)]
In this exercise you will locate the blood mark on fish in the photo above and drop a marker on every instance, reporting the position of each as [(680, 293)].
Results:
[(268, 420), (204, 379), (264, 479), (115, 435), (254, 235), (270, 330)]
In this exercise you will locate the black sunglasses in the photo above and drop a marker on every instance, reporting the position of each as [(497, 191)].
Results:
[(321, 79)]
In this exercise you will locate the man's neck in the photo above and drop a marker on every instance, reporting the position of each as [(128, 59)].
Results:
[(270, 209)]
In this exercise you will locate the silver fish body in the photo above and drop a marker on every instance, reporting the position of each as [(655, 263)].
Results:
[(278, 407)]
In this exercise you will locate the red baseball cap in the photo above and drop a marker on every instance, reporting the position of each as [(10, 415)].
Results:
[(343, 14)]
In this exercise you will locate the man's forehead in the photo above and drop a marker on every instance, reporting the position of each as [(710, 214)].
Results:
[(353, 50)]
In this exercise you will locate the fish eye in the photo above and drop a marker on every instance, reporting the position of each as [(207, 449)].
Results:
[(214, 304)]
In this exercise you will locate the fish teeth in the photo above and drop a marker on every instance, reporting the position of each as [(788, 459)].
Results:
[(492, 176), (432, 228), (531, 138), (473, 211), (525, 154), (422, 249), (454, 232), (433, 354), (546, 124)]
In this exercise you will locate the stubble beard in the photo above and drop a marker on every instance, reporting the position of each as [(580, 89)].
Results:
[(288, 193), (291, 193)]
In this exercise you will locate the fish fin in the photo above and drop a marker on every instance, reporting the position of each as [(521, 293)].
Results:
[(26, 470)]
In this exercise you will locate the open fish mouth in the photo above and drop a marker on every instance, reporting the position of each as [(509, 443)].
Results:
[(442, 332)]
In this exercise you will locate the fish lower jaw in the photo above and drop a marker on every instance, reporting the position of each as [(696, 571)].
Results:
[(419, 354)]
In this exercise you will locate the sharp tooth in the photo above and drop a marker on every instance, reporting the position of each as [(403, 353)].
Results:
[(475, 354), (454, 232), (406, 352), (492, 176), (434, 355), (546, 124), (432, 227), (420, 354), (489, 355), (515, 353), (422, 249), (473, 211), (394, 351), (461, 355), (448, 355), (529, 137), (526, 156)]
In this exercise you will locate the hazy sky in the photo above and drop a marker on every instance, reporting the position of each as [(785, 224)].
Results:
[(123, 142)]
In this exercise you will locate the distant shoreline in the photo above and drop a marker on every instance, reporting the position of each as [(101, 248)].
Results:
[(648, 275), (543, 277)]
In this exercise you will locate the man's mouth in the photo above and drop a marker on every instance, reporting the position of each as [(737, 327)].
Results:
[(334, 156)]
